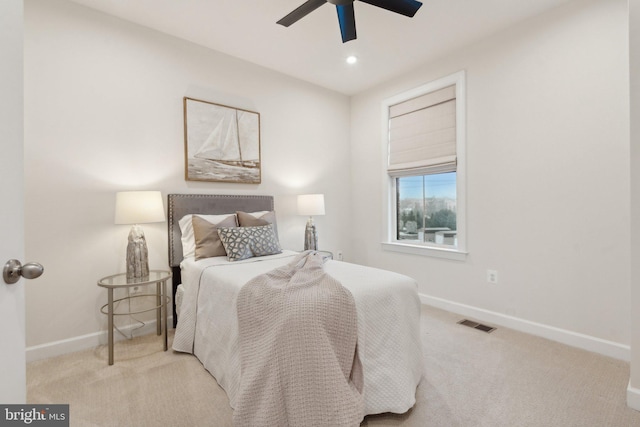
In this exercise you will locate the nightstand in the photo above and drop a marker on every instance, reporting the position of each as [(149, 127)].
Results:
[(116, 281)]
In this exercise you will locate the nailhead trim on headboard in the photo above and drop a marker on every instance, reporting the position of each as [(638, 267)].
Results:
[(210, 204)]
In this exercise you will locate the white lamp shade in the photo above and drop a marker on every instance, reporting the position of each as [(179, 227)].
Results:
[(139, 207), (311, 204)]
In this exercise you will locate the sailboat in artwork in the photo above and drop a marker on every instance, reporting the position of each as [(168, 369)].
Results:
[(224, 144), (248, 138)]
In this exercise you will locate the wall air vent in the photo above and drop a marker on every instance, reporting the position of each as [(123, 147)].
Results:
[(476, 325)]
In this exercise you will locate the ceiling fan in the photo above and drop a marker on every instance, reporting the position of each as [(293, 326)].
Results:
[(346, 16)]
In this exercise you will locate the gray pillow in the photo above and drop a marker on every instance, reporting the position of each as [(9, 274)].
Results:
[(246, 242), (263, 218), (206, 236)]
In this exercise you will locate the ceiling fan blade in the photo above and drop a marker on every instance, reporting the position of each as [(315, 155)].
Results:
[(403, 7), (347, 19), (302, 11)]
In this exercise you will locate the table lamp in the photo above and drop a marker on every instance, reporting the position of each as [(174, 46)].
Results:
[(138, 207), (311, 204)]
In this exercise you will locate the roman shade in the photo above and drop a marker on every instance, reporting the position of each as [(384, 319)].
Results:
[(422, 133)]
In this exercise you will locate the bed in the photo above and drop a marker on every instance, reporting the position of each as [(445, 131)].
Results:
[(206, 290)]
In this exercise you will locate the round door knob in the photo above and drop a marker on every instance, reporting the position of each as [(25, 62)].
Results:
[(13, 270)]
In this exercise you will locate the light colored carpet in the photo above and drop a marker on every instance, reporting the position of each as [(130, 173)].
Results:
[(471, 378)]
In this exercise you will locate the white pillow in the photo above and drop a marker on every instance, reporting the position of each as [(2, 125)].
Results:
[(186, 227)]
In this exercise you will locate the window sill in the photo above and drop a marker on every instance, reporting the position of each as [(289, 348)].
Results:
[(436, 252)]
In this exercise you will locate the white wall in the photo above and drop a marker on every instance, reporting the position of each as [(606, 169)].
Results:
[(547, 177), (633, 395), (103, 113)]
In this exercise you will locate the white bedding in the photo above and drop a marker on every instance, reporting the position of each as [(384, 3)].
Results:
[(387, 306)]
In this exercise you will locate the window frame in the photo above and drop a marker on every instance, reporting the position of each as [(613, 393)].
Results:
[(389, 240)]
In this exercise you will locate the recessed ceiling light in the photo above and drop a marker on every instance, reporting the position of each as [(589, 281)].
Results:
[(352, 59)]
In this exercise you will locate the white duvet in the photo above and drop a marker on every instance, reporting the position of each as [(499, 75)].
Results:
[(387, 306)]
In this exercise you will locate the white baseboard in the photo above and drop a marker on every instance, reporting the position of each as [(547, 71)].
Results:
[(633, 397), (84, 342), (574, 339), (585, 342)]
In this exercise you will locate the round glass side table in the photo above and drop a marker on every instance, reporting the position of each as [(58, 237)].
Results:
[(116, 281)]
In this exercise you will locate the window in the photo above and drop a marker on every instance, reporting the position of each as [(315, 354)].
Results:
[(424, 130), (427, 208)]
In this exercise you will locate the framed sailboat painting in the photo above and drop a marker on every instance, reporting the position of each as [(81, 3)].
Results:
[(221, 143)]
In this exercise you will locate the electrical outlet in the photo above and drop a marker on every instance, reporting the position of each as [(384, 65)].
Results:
[(135, 290), (492, 276), (339, 255)]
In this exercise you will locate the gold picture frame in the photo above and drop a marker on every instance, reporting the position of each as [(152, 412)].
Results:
[(221, 143)]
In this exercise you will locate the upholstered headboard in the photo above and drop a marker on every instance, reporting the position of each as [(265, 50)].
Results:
[(179, 205)]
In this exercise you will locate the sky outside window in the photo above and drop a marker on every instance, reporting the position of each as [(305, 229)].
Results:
[(441, 185)]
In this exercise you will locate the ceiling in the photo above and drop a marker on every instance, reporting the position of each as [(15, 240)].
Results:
[(388, 44)]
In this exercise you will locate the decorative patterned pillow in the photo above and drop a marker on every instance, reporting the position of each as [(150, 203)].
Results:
[(246, 242)]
